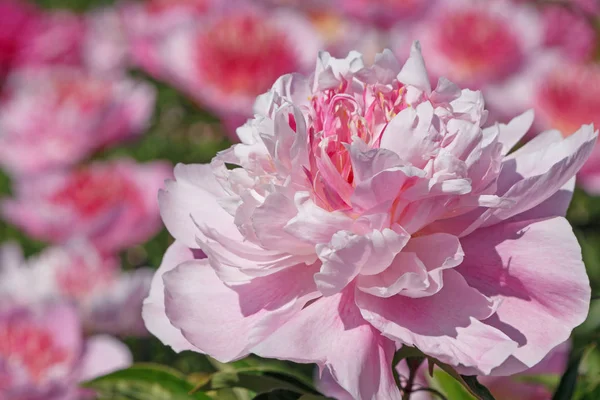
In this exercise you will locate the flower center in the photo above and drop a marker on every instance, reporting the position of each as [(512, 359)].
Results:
[(30, 347), (570, 97), (338, 118), (90, 192), (79, 279), (479, 44), (244, 54)]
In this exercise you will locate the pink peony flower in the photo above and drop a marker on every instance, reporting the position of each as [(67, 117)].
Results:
[(226, 58), (43, 355), (108, 300), (113, 204), (51, 118), (370, 212)]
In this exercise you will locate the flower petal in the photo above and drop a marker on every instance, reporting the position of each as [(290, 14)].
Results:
[(446, 326), (153, 311), (535, 269), (331, 333), (103, 355), (349, 254), (225, 322), (193, 196)]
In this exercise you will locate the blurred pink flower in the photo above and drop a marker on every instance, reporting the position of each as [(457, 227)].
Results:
[(592, 7), (52, 118), (105, 49), (108, 300), (341, 34), (43, 355), (385, 13), (571, 32), (150, 23), (113, 204), (225, 58), (361, 191), (477, 44), (55, 38)]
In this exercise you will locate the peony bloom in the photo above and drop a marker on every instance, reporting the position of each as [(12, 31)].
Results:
[(225, 58), (113, 204), (43, 355), (370, 212), (108, 300), (53, 118)]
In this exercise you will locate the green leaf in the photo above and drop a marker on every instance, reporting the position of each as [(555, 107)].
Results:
[(470, 383), (144, 382), (451, 388), (251, 381), (287, 395), (279, 395), (255, 364)]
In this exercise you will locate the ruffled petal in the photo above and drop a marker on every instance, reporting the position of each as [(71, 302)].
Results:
[(535, 270)]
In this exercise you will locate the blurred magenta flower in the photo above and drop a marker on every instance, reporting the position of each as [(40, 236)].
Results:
[(17, 19), (361, 192), (113, 204), (43, 355), (108, 300), (55, 117), (225, 58)]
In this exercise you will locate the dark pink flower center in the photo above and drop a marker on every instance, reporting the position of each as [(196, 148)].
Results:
[(570, 97), (479, 43), (91, 192), (244, 54), (79, 279), (30, 347)]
